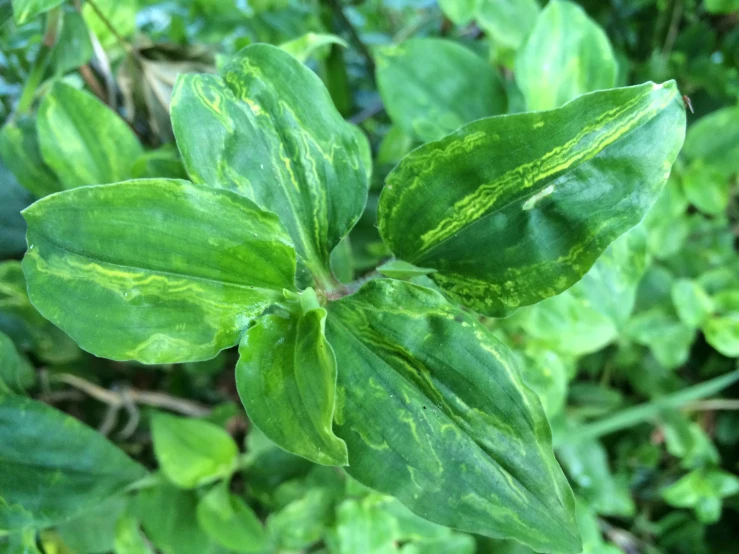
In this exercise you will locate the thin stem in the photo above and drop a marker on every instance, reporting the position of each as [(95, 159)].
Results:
[(338, 10), (674, 25), (713, 404), (645, 412), (122, 41), (42, 59)]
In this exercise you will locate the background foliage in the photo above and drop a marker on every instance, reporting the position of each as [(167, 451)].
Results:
[(635, 364)]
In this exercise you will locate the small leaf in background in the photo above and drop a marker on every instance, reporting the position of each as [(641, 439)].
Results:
[(16, 374), (24, 325), (309, 44), (703, 491), (268, 129), (303, 521), (714, 139), (667, 228), (566, 55), (128, 537), (590, 530), (722, 6), (431, 87), (362, 527), (460, 12), (661, 330), (81, 153), (20, 151), (167, 271), (169, 518), (230, 521), (394, 146), (121, 14), (398, 269), (470, 457), (706, 187), (73, 47), (192, 452), (163, 162), (687, 441), (722, 333), (45, 480), (691, 301), (25, 10), (604, 168), (286, 377), (507, 23), (13, 199)]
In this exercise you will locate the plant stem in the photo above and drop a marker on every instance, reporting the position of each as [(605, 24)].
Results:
[(42, 59), (338, 11), (644, 412), (122, 41)]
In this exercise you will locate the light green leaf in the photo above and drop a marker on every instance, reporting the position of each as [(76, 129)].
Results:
[(706, 187), (306, 45), (128, 537), (157, 271), (169, 518), (546, 204), (229, 521), (121, 14), (722, 6), (692, 303), (460, 12), (398, 269), (286, 376), (434, 412), (22, 323), (19, 149), (714, 138), (303, 521), (23, 10), (45, 479), (566, 55), (73, 47), (702, 490), (192, 452), (722, 332), (661, 330), (268, 129), (456, 543), (507, 23), (16, 374), (83, 140), (362, 527), (430, 87)]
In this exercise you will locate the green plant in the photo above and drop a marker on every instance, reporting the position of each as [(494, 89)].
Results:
[(529, 231)]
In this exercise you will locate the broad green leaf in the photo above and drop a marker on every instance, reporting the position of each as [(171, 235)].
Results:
[(16, 374), (398, 269), (22, 323), (362, 527), (94, 530), (706, 187), (121, 14), (13, 199), (192, 452), (19, 149), (157, 271), (434, 412), (510, 213), (460, 12), (430, 87), (128, 537), (23, 10), (83, 140), (73, 47), (692, 303), (230, 521), (45, 478), (169, 518), (664, 333), (507, 23), (286, 377), (268, 129), (702, 490), (714, 138), (722, 6), (566, 55), (306, 45)]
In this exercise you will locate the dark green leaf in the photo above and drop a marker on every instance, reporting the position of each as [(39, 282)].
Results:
[(19, 148), (286, 376), (154, 270), (13, 198), (16, 374), (83, 140), (46, 479), (546, 204), (94, 531), (566, 55), (434, 412), (192, 452), (268, 130), (430, 87)]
